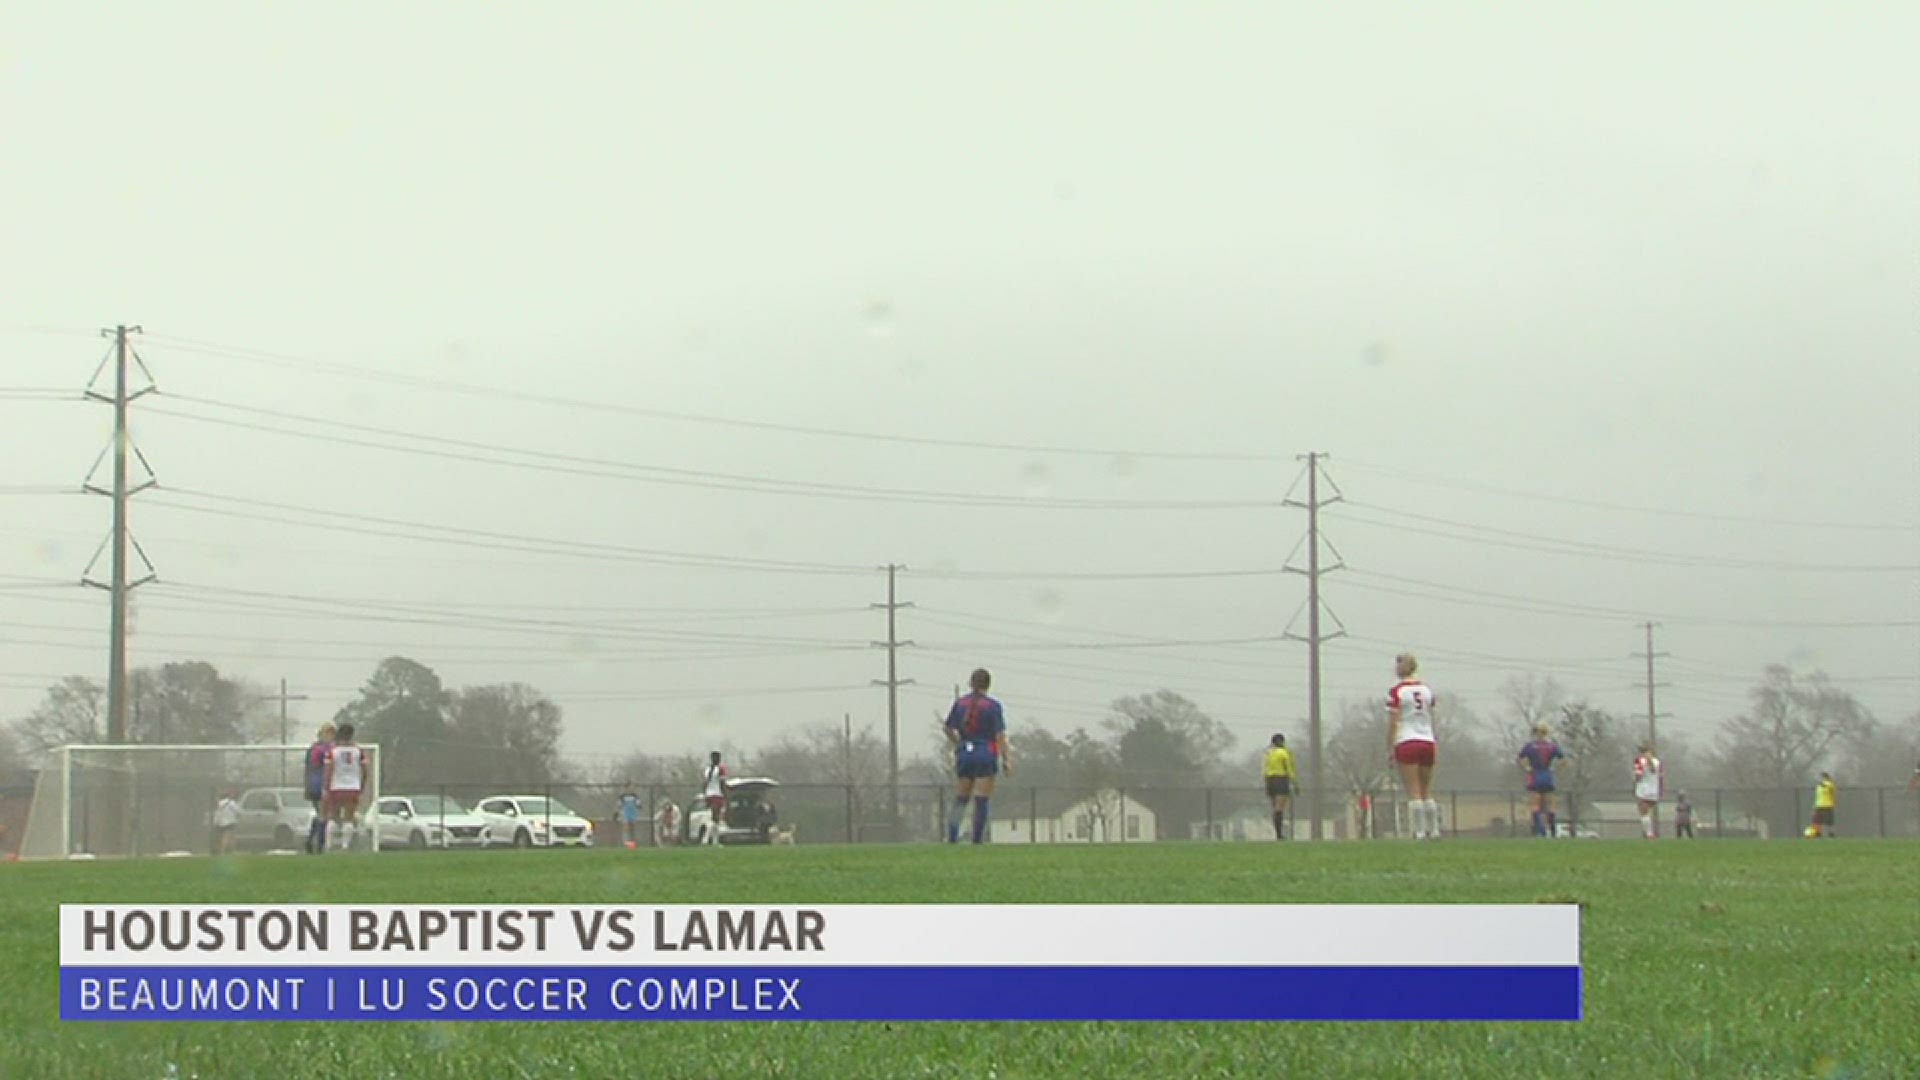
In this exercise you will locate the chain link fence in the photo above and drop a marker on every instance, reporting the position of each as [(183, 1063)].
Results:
[(818, 813), (852, 814)]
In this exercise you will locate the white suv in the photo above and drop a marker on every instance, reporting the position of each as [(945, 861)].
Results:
[(424, 821), (533, 821), (275, 818)]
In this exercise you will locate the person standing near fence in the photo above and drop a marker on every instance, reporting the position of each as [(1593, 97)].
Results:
[(1913, 789), (627, 812), (1826, 794), (1683, 817), (713, 788), (977, 729), (225, 817), (1649, 780), (1536, 760), (666, 824), (1412, 745), (317, 788), (1277, 769)]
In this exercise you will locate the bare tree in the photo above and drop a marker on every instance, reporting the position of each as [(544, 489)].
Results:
[(1357, 751), (1787, 732), (1526, 700), (74, 711), (1597, 749)]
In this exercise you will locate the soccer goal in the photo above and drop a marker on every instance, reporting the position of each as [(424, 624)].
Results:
[(145, 800)]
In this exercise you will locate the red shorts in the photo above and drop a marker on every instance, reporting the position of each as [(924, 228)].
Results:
[(716, 803), (341, 800), (1414, 752)]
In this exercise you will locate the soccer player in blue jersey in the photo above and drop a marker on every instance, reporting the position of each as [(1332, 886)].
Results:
[(1536, 760), (978, 731), (316, 775)]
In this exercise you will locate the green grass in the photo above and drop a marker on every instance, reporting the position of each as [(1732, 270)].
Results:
[(1713, 959)]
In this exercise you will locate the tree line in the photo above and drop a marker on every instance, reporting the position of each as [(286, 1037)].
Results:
[(1161, 747)]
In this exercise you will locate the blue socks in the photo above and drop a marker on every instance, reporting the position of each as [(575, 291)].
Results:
[(317, 835), (1539, 823), (959, 814)]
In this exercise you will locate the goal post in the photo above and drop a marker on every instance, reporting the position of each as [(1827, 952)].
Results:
[(159, 799)]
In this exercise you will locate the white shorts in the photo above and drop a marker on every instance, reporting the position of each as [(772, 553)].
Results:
[(1646, 792)]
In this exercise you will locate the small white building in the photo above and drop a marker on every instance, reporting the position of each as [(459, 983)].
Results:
[(1103, 817)]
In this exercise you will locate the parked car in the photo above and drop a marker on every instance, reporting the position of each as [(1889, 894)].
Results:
[(429, 821), (532, 821), (274, 818), (750, 819)]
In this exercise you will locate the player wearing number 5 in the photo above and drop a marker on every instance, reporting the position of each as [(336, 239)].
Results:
[(978, 731), (1411, 743)]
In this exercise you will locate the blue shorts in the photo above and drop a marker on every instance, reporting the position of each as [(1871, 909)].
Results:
[(975, 761), (1540, 783)]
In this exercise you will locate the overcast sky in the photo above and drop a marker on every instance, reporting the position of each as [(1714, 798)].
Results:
[(1603, 316)]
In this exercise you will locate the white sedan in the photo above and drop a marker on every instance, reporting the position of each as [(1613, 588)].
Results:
[(429, 821), (533, 821)]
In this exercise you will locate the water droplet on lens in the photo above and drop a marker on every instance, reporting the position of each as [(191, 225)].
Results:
[(1048, 604), (1377, 354), (1038, 479), (879, 319)]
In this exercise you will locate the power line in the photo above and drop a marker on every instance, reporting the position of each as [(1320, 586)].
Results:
[(448, 534), (1550, 545), (1569, 609), (448, 386), (603, 468), (426, 616), (1595, 504)]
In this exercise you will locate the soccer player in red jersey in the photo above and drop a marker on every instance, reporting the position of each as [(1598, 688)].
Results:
[(1412, 745)]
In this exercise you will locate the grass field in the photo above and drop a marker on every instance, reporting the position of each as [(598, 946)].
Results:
[(1720, 959)]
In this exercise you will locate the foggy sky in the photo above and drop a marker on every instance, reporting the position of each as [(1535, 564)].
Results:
[(1660, 260)]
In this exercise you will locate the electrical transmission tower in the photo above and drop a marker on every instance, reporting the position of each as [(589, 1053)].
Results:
[(893, 682), (1314, 636), (120, 539), (1653, 716)]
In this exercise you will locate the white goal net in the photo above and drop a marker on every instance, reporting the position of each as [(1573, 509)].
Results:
[(143, 800)]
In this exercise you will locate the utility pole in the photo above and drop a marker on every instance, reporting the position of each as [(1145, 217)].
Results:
[(893, 683), (283, 698), (118, 586), (1653, 716), (1314, 637)]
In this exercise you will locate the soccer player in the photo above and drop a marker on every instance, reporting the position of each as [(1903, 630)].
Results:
[(713, 788), (225, 817), (978, 731), (1411, 744), (317, 788), (1536, 760), (666, 824), (1825, 794), (1683, 817), (347, 774), (1278, 770), (627, 812), (1649, 784)]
